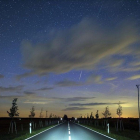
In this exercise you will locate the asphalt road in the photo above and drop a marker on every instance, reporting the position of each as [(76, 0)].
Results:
[(69, 131)]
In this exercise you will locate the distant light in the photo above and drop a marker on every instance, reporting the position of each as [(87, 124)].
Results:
[(61, 119), (75, 118)]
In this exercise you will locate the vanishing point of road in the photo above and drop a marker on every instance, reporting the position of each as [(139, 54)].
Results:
[(69, 131)]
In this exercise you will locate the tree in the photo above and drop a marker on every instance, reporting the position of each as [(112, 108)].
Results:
[(97, 115), (50, 115), (13, 110), (41, 116), (119, 110), (91, 116), (65, 117), (106, 113), (32, 112), (46, 114)]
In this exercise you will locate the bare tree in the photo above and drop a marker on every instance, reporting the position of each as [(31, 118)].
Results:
[(106, 113), (97, 115), (41, 115), (46, 114), (119, 110), (32, 112), (13, 110), (91, 116), (50, 115)]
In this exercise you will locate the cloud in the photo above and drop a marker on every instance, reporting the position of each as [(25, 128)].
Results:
[(134, 77), (75, 108), (34, 102), (28, 93), (24, 75), (82, 46), (67, 83), (11, 97), (10, 88), (94, 79), (92, 104), (74, 98), (46, 88), (110, 79), (1, 76)]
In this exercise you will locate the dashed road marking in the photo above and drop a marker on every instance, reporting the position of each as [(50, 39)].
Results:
[(69, 131)]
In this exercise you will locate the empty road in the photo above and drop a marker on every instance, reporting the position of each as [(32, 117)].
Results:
[(69, 131)]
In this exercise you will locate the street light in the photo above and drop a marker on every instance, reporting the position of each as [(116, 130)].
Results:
[(138, 106)]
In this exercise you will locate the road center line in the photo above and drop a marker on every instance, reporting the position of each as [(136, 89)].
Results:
[(69, 137), (69, 131)]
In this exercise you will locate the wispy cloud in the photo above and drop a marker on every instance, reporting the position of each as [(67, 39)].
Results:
[(1, 76), (82, 46), (28, 93), (10, 88), (92, 104), (74, 99), (45, 88), (134, 77), (110, 79), (67, 83), (34, 102), (75, 108), (95, 79)]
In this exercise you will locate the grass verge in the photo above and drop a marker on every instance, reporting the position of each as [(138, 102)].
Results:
[(23, 135), (120, 135), (27, 135)]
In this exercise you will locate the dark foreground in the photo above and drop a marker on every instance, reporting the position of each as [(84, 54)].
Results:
[(69, 131)]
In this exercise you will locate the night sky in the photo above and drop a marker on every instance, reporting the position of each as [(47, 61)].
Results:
[(69, 56)]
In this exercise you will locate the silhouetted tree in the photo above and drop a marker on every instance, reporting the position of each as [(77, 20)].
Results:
[(119, 121), (46, 114), (65, 117), (97, 115), (50, 115), (119, 110), (32, 112), (106, 113), (87, 116), (41, 116), (91, 116), (13, 110)]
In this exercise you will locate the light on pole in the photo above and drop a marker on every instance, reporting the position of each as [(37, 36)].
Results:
[(138, 106)]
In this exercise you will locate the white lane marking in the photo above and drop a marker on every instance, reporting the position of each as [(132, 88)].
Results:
[(69, 132), (69, 137), (97, 132), (42, 132)]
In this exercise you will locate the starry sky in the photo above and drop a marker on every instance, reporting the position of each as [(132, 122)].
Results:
[(69, 57)]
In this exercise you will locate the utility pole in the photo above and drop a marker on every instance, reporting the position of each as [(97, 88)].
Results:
[(138, 106)]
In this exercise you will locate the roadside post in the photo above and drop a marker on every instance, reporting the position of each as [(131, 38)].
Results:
[(30, 127), (108, 128)]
